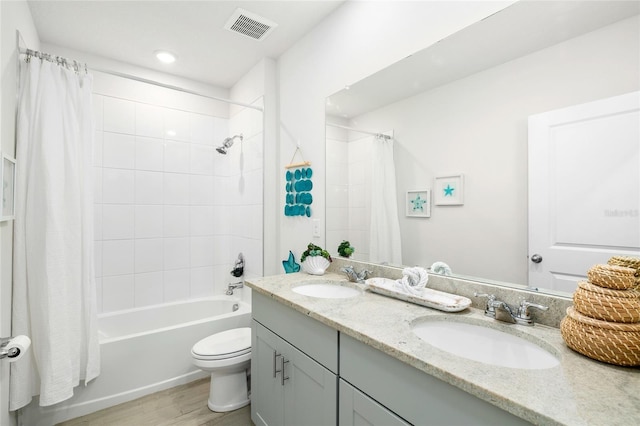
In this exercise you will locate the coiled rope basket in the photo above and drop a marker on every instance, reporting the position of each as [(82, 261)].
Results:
[(610, 342), (627, 262), (612, 276), (607, 305), (604, 323)]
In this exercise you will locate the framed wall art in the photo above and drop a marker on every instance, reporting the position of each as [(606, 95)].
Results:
[(449, 190), (418, 203), (7, 192)]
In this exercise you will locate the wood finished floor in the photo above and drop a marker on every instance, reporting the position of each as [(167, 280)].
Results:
[(184, 405)]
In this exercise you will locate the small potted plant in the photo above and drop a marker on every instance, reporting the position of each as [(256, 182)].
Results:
[(345, 249), (315, 260)]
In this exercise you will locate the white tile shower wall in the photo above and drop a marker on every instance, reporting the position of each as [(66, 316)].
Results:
[(348, 190), (242, 205), (360, 195), (162, 232), (337, 216)]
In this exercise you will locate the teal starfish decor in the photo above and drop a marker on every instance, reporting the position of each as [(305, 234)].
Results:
[(290, 265), (448, 191), (417, 203)]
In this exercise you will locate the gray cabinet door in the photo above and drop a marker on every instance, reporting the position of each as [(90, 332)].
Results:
[(305, 395), (310, 391), (267, 394), (357, 409)]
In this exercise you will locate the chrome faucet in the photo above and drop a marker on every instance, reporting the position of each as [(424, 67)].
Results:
[(354, 276), (524, 316), (503, 312), (233, 286)]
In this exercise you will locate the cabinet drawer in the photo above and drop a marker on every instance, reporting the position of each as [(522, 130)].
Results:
[(315, 339), (415, 396), (357, 408)]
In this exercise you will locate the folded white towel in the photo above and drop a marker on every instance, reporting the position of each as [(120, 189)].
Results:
[(413, 281), (440, 268)]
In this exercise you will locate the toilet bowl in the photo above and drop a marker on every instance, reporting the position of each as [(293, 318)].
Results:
[(227, 355)]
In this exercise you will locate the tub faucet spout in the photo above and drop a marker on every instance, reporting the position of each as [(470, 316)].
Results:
[(233, 286)]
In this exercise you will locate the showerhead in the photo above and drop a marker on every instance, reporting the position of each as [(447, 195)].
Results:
[(227, 144)]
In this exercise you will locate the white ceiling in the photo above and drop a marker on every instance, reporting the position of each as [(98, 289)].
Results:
[(130, 31), (520, 29)]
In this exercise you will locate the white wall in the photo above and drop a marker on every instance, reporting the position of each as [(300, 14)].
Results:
[(478, 126), (356, 40), (15, 15)]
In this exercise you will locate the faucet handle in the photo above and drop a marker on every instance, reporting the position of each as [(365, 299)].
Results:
[(490, 297), (523, 311), (364, 274), (489, 309), (350, 273)]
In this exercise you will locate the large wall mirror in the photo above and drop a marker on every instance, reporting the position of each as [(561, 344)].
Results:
[(464, 106)]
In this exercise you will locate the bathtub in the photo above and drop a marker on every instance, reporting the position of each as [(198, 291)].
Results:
[(145, 350)]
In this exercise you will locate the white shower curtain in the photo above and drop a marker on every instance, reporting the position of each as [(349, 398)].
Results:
[(54, 300), (384, 233)]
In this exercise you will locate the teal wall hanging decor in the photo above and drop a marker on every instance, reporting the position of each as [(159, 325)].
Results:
[(298, 188)]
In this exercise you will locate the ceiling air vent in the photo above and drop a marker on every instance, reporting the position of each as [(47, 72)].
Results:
[(249, 24)]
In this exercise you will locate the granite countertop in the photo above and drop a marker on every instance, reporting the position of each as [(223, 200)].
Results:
[(580, 391)]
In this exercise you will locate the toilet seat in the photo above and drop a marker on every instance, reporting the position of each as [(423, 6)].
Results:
[(224, 345)]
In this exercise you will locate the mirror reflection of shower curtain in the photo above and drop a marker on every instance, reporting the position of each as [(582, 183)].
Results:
[(384, 232), (54, 295)]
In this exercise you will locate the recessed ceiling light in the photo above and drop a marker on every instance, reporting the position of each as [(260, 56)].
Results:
[(165, 57)]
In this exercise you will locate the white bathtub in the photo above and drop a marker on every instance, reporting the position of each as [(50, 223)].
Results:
[(145, 350)]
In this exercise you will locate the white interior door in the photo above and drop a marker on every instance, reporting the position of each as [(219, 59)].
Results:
[(584, 189)]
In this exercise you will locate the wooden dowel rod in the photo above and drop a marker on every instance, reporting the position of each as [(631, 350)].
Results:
[(293, 165)]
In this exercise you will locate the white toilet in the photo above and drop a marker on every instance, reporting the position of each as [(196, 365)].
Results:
[(227, 355)]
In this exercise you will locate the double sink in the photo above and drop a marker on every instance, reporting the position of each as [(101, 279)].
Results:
[(470, 338)]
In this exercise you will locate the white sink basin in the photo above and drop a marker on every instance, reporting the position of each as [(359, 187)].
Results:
[(484, 344), (326, 290)]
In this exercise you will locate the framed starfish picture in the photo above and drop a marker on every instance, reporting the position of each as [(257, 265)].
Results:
[(418, 203), (449, 190)]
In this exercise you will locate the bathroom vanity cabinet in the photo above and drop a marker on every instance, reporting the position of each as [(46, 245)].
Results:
[(299, 376), (364, 364)]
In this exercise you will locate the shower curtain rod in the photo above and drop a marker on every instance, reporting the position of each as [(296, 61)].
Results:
[(25, 51), (382, 135)]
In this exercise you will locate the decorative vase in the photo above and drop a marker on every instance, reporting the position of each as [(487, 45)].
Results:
[(315, 265)]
